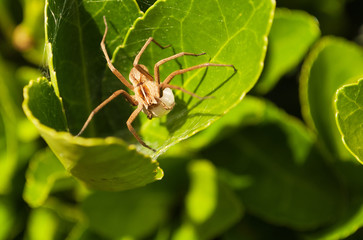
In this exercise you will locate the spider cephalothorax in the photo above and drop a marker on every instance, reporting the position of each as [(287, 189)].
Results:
[(153, 97), (157, 102)]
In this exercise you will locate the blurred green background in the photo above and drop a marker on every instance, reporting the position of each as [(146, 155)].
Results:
[(191, 202)]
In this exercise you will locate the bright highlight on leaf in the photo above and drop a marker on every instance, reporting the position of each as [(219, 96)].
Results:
[(211, 206), (349, 106), (202, 196)]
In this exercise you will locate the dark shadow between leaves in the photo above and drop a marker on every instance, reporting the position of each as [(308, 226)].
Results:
[(301, 183)]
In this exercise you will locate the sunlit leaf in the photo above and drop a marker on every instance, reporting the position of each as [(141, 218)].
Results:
[(234, 33), (332, 63), (68, 24), (42, 224), (292, 33), (74, 31), (211, 207), (201, 200), (349, 105), (77, 68), (44, 170), (238, 117), (107, 164)]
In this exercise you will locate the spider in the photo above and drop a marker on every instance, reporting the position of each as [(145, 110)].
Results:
[(153, 97)]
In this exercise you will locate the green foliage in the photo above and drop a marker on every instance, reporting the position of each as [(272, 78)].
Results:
[(287, 47), (135, 213), (255, 171), (349, 105), (7, 217), (100, 163), (211, 206), (43, 172), (332, 63), (78, 78), (282, 188), (227, 32), (36, 224)]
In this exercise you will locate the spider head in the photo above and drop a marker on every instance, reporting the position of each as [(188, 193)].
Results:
[(139, 75)]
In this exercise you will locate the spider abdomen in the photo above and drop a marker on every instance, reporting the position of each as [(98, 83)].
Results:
[(165, 104)]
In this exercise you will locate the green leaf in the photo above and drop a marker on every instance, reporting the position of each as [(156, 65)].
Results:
[(349, 117), (7, 217), (9, 117), (74, 31), (135, 213), (79, 77), (233, 34), (332, 63), (201, 200), (351, 215), (211, 207), (346, 226), (290, 184), (107, 164), (81, 232), (54, 220), (73, 37), (8, 150), (42, 224), (44, 170), (292, 33), (242, 115)]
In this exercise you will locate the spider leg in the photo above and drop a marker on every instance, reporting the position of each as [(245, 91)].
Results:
[(138, 56), (132, 130), (181, 71), (157, 65), (142, 50), (186, 91), (129, 98), (109, 63)]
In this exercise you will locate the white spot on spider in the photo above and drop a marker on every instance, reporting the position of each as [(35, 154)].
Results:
[(168, 100)]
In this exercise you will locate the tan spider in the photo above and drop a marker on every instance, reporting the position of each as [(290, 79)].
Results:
[(155, 99)]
